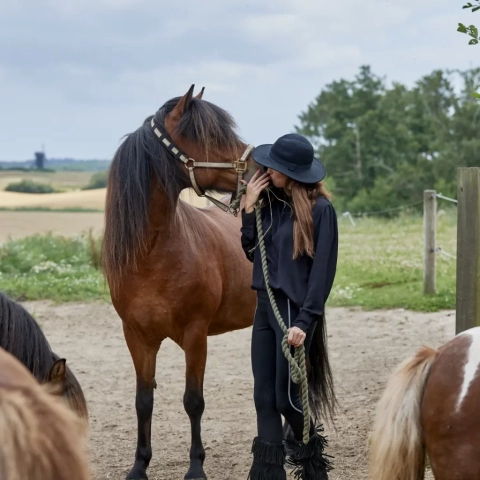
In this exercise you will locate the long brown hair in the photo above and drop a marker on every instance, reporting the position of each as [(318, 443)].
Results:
[(303, 198)]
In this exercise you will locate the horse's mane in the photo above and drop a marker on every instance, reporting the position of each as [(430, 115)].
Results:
[(21, 336), (40, 437), (140, 158)]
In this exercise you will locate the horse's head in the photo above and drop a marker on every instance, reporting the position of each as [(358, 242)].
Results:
[(217, 159), (62, 382)]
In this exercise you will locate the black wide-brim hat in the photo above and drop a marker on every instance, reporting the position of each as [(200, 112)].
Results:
[(292, 155)]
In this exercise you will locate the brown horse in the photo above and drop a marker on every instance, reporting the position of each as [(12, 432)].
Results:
[(21, 336), (430, 407), (176, 271), (40, 437)]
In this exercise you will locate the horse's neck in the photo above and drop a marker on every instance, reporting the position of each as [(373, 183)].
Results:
[(161, 212), (180, 226)]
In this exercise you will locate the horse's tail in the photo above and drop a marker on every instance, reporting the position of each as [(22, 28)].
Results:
[(397, 451), (320, 379)]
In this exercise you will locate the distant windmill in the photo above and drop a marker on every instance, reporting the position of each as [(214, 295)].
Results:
[(40, 159)]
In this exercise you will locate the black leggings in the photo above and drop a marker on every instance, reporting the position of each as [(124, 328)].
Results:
[(274, 392)]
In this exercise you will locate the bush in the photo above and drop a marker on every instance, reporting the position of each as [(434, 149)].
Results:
[(98, 180), (29, 186)]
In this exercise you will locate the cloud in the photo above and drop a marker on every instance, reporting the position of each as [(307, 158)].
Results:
[(113, 62)]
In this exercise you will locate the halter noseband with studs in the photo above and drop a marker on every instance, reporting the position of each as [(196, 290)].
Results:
[(240, 167)]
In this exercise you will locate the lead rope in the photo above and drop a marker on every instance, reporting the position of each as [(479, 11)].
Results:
[(234, 206), (297, 362)]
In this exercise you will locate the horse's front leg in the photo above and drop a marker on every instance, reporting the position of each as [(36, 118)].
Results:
[(195, 348), (144, 357)]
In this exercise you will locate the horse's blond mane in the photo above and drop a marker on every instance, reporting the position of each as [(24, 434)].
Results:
[(40, 437)]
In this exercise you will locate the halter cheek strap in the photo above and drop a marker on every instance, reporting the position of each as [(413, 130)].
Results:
[(240, 167)]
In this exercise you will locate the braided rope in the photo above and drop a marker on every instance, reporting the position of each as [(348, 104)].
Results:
[(234, 206), (297, 362)]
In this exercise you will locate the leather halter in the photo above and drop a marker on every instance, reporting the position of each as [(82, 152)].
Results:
[(240, 167)]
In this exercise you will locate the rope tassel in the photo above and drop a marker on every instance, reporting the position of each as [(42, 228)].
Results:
[(297, 362)]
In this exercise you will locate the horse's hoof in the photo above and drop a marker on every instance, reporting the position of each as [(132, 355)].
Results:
[(135, 475), (203, 477), (195, 472)]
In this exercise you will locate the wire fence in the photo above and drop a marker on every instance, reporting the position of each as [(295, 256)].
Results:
[(351, 217), (439, 195), (444, 253)]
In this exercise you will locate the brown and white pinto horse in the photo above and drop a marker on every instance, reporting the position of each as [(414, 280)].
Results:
[(176, 271), (431, 406)]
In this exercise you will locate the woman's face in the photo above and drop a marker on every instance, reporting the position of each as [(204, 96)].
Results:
[(278, 179)]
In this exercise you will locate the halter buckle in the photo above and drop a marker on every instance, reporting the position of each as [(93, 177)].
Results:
[(241, 166)]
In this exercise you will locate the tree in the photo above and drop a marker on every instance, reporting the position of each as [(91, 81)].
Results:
[(335, 122), (382, 146), (471, 30)]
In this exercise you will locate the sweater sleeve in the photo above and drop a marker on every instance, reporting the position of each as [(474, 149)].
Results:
[(248, 233), (322, 273)]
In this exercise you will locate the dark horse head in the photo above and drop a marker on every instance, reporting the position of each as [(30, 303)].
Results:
[(21, 336), (142, 165)]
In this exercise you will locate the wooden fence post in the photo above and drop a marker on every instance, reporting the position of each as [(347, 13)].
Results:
[(429, 234), (468, 249)]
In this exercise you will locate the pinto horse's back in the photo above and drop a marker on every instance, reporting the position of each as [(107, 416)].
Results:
[(450, 413)]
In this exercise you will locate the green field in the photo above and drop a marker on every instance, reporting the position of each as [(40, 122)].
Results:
[(380, 266), (52, 267)]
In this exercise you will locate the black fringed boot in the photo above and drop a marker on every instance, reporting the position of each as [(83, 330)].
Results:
[(268, 461), (308, 461)]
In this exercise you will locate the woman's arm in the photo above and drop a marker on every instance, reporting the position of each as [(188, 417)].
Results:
[(249, 233), (323, 268)]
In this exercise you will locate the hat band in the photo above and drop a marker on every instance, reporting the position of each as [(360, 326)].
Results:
[(293, 167)]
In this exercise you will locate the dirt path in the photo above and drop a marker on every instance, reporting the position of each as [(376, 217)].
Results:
[(364, 348)]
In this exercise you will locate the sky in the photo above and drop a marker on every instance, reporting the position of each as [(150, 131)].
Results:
[(77, 75)]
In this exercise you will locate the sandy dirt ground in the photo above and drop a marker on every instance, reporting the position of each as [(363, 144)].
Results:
[(364, 348)]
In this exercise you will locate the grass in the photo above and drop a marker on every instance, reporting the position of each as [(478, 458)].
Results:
[(380, 266), (52, 267)]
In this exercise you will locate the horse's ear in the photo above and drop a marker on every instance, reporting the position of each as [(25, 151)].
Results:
[(200, 95), (183, 104), (58, 371)]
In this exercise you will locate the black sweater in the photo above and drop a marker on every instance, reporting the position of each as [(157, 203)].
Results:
[(305, 281)]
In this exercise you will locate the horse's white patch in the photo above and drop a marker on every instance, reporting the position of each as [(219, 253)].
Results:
[(471, 367)]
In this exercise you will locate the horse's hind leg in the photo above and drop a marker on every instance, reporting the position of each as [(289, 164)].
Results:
[(195, 347), (144, 355)]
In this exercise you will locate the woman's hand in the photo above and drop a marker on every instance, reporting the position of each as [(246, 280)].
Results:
[(296, 337), (254, 188)]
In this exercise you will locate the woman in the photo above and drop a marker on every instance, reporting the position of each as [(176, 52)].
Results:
[(300, 233)]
